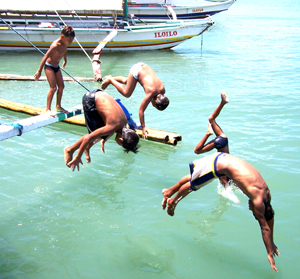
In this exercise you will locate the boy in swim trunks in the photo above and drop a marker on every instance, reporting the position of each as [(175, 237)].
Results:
[(220, 142), (245, 176), (104, 117), (50, 62), (154, 89)]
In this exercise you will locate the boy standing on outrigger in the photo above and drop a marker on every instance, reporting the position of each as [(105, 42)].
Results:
[(50, 62)]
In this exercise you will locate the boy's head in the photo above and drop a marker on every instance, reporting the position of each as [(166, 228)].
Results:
[(68, 31), (160, 102), (128, 140)]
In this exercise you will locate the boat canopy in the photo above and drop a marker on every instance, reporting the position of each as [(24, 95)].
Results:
[(63, 6)]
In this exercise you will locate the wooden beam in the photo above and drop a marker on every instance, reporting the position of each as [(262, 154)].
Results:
[(42, 78)]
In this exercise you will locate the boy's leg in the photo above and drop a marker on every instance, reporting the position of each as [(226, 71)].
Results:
[(107, 81), (59, 93), (216, 128), (87, 150), (127, 90), (172, 202), (121, 79), (201, 147), (167, 193), (52, 83)]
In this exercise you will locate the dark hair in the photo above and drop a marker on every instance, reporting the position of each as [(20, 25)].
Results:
[(161, 102), (130, 140), (68, 31)]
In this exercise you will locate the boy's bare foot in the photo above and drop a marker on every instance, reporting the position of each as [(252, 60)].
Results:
[(68, 155), (224, 97), (87, 156), (106, 82), (209, 130), (170, 207), (50, 112), (61, 109), (164, 201)]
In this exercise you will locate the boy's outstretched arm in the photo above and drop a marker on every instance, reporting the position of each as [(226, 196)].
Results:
[(258, 210)]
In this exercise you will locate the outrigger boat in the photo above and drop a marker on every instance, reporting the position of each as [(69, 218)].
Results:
[(41, 23), (177, 9)]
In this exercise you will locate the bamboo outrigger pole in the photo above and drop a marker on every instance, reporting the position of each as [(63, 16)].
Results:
[(42, 78), (97, 52), (166, 137)]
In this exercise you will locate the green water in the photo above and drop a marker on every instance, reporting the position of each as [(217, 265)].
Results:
[(106, 221)]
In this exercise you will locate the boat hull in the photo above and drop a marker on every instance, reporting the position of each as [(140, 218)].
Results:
[(128, 39), (158, 11)]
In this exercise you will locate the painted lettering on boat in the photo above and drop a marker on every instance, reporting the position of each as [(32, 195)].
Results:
[(165, 34), (197, 10)]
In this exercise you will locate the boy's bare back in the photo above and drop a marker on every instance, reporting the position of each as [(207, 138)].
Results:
[(150, 81), (245, 176), (109, 110)]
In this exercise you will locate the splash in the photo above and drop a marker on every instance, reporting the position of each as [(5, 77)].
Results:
[(228, 192)]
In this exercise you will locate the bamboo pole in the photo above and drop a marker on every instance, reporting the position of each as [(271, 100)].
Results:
[(42, 78), (161, 136)]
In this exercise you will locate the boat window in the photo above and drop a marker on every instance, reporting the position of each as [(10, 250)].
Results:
[(18, 22), (33, 22)]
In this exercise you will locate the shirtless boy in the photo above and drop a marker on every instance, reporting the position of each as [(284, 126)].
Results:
[(245, 176), (152, 85), (103, 117), (50, 62)]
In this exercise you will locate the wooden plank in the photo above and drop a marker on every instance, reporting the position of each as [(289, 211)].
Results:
[(42, 78), (104, 42)]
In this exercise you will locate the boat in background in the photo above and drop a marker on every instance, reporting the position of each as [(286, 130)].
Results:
[(177, 9), (41, 22)]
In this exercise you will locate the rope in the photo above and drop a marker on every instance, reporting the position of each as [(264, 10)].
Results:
[(82, 21), (17, 126), (74, 38), (41, 51), (201, 42)]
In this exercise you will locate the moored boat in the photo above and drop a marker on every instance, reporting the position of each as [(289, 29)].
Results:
[(41, 26), (177, 9)]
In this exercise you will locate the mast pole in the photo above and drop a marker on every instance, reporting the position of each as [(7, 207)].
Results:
[(125, 10)]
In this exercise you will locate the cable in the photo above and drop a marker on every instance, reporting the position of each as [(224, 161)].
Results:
[(74, 38), (41, 52)]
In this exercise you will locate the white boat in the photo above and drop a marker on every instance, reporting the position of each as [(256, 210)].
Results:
[(40, 23), (177, 9)]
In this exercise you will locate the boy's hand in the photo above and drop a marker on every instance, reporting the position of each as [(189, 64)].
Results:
[(37, 76), (272, 262), (145, 132), (75, 163)]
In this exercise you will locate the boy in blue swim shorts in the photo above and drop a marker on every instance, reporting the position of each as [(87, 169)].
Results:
[(104, 117), (245, 177)]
